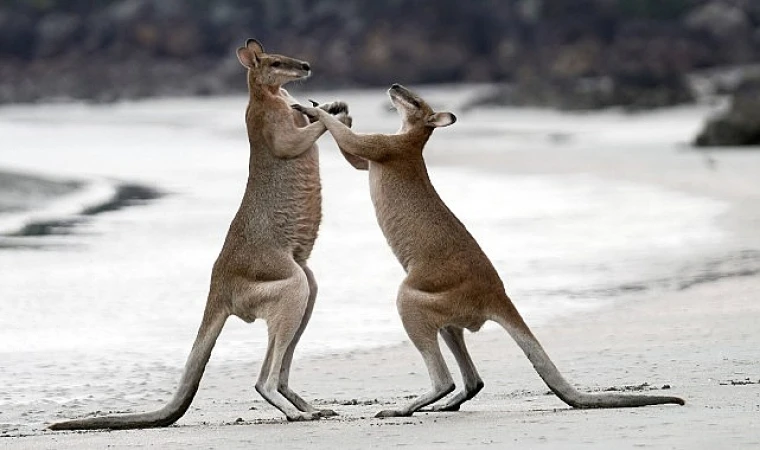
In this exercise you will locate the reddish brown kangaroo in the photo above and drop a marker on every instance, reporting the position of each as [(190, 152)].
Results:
[(261, 271), (450, 283)]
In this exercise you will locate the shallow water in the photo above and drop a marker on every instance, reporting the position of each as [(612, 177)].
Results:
[(123, 292)]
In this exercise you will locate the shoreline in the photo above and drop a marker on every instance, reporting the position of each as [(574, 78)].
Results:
[(125, 194)]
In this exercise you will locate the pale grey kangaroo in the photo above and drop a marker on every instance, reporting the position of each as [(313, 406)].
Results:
[(450, 283)]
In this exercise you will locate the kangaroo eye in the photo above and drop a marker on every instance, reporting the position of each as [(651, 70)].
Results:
[(276, 64)]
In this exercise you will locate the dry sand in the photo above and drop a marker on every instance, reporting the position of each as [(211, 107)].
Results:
[(701, 341)]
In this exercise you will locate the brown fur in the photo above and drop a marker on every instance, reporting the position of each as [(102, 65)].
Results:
[(261, 271), (450, 283)]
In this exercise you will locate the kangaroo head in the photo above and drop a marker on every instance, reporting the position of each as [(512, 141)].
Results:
[(415, 113), (269, 68)]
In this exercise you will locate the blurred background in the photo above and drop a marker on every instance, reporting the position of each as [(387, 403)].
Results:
[(104, 49), (581, 54), (123, 158)]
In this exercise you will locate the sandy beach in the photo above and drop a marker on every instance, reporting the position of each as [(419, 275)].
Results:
[(700, 341), (695, 336)]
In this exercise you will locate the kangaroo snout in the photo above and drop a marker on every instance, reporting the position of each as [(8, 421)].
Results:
[(396, 88)]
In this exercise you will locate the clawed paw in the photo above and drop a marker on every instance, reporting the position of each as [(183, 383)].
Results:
[(336, 108), (311, 113), (345, 119), (333, 108)]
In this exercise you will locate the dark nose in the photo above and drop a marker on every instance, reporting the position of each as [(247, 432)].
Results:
[(305, 66), (395, 86)]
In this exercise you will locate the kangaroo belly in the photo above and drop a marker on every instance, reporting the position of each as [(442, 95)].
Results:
[(284, 207), (307, 207)]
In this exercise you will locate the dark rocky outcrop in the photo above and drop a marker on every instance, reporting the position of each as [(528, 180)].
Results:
[(571, 54), (739, 125), (17, 35)]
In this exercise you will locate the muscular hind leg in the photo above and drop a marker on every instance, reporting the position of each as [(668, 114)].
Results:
[(423, 334), (283, 325), (284, 389), (454, 338)]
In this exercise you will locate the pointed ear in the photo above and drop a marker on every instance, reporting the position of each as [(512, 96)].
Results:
[(246, 58), (254, 46), (441, 119), (249, 54)]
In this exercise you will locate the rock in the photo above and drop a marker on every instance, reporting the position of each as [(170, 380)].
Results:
[(159, 28), (721, 19), (17, 34), (409, 55), (647, 91), (122, 27), (127, 12), (181, 35), (170, 9), (100, 32), (182, 40), (57, 33), (739, 125), (227, 25), (728, 26), (578, 59), (629, 93), (642, 48)]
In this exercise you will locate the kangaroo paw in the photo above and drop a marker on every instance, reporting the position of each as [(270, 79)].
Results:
[(308, 112)]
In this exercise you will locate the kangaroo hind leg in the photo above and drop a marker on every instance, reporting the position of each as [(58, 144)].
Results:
[(454, 338), (284, 388), (283, 323), (423, 334)]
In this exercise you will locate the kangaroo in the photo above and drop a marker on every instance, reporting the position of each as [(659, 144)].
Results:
[(261, 271), (450, 283)]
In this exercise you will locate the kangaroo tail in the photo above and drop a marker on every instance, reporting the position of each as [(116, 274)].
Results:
[(209, 331), (511, 320)]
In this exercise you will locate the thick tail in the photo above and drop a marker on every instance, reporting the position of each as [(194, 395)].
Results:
[(208, 333), (511, 320)]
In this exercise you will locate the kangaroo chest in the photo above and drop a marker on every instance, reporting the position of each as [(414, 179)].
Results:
[(285, 201)]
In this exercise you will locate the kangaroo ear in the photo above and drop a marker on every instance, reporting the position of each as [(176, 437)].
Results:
[(249, 55), (441, 119), (254, 46), (246, 58)]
